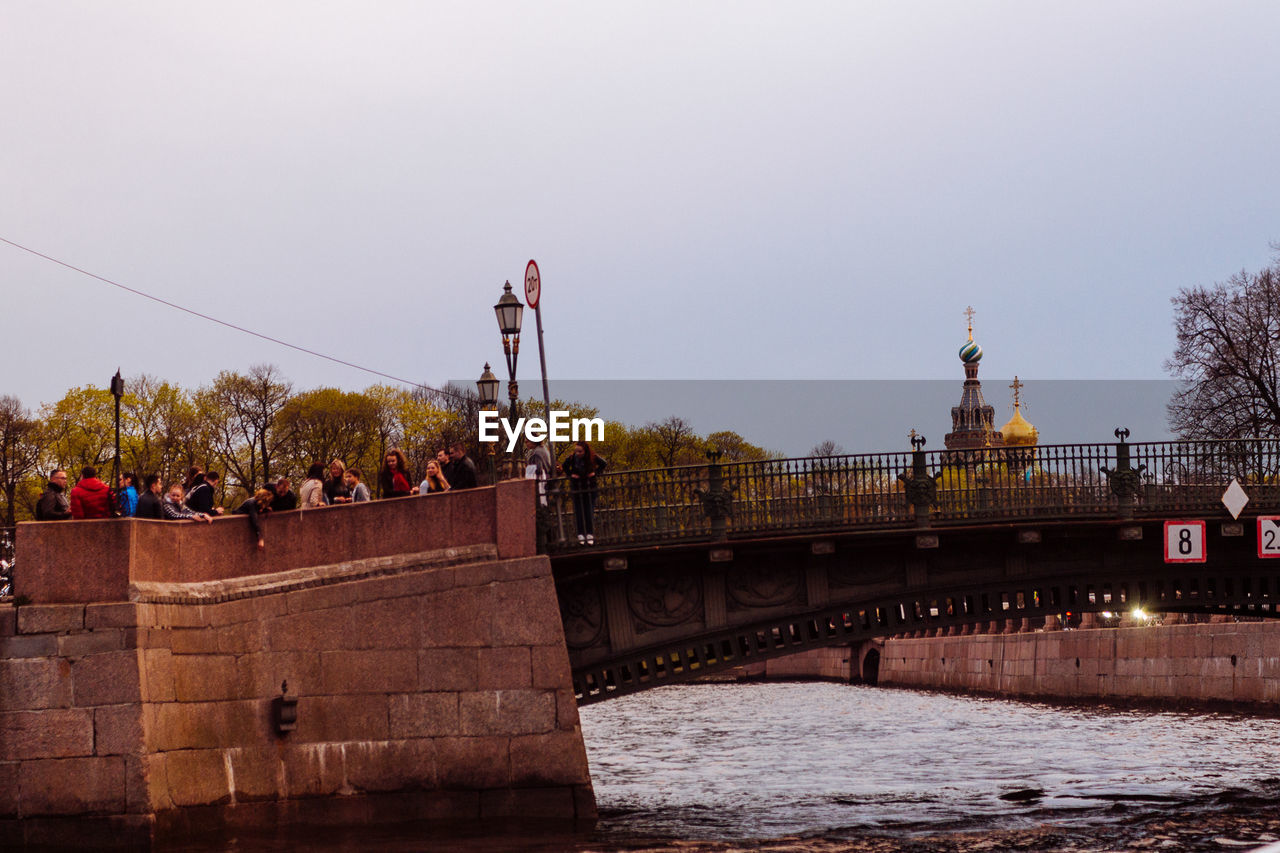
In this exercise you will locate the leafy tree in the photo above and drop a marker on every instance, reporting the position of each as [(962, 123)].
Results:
[(734, 448), (327, 424), (160, 430), (78, 430), (1227, 358)]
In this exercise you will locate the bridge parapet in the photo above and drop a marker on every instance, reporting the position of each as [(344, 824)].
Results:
[(94, 561)]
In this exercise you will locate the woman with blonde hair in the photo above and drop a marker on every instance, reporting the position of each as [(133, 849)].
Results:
[(435, 481), (335, 488)]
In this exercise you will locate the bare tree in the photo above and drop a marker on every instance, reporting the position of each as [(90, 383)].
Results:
[(19, 451), (826, 448), (240, 411), (1227, 358), (672, 436)]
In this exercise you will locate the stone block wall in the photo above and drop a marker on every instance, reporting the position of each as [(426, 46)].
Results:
[(1200, 663), (429, 685), (831, 663)]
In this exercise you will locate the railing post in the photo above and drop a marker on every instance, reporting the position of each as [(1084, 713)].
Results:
[(1124, 479), (921, 486), (717, 502)]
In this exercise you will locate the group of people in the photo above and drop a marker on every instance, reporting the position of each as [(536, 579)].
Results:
[(195, 497)]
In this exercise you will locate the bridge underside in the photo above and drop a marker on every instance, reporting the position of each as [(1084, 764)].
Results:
[(662, 616)]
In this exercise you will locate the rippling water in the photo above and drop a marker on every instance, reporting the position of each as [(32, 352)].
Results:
[(763, 760)]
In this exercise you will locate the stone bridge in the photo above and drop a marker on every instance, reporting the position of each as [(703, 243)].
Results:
[(711, 567), (418, 658)]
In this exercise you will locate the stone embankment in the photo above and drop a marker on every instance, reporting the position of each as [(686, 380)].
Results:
[(1221, 662), (1217, 663)]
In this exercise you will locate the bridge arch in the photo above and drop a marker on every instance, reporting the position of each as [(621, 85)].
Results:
[(640, 619)]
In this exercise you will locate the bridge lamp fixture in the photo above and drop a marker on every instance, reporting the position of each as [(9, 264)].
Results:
[(487, 387), (1140, 614), (510, 313)]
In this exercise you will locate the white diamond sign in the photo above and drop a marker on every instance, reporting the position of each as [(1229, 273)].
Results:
[(1234, 498)]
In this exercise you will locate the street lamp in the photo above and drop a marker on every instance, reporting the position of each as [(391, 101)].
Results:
[(117, 391), (487, 387), (510, 311)]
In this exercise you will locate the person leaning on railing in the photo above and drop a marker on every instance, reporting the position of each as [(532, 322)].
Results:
[(582, 466), (174, 510), (256, 507)]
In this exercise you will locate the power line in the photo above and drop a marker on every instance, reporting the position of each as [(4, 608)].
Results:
[(194, 313)]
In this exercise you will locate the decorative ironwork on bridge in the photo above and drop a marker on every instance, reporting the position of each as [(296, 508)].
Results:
[(886, 490)]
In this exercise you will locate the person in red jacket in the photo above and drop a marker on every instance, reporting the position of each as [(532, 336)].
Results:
[(91, 498)]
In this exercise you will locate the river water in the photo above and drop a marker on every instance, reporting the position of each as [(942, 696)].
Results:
[(752, 761), (835, 767)]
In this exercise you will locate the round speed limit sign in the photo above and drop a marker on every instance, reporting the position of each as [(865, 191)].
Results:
[(532, 284), (1184, 542)]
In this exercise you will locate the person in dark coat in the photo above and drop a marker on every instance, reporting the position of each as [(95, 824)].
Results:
[(256, 507), (200, 497), (150, 503), (285, 498), (461, 473), (91, 498), (582, 467), (53, 504), (335, 488)]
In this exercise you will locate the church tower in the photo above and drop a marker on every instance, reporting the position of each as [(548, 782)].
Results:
[(973, 421)]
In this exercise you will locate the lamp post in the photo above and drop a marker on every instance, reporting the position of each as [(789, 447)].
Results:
[(510, 312), (117, 391), (487, 387)]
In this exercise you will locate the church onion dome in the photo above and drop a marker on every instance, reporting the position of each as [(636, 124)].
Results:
[(971, 353), (1019, 432)]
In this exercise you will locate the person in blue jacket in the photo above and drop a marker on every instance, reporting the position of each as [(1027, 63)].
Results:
[(128, 495)]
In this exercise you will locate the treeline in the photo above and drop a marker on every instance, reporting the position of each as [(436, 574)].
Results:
[(254, 427)]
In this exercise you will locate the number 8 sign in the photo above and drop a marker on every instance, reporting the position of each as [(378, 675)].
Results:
[(1184, 542)]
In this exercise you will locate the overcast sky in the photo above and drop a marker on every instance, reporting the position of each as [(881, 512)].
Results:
[(712, 190)]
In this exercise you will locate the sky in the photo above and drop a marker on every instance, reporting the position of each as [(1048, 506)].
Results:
[(712, 190)]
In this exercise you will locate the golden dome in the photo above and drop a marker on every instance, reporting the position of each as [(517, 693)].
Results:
[(1019, 432)]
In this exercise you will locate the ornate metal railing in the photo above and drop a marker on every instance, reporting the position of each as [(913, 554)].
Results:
[(935, 488)]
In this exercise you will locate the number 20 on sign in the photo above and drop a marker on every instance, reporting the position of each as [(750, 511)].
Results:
[(1269, 536), (1184, 542)]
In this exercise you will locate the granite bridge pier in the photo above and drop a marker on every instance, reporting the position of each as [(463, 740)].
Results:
[(381, 662)]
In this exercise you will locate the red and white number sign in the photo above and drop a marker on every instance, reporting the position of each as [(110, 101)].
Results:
[(1184, 542)]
